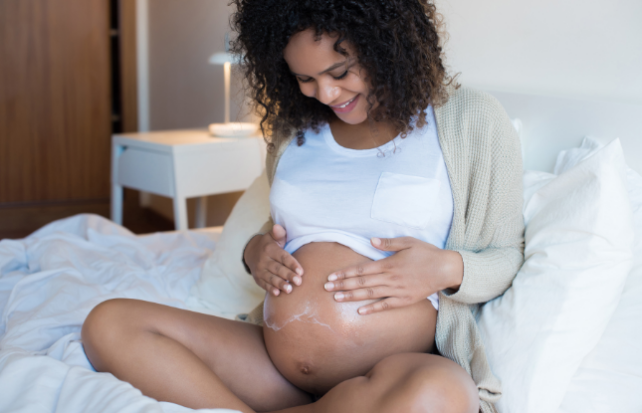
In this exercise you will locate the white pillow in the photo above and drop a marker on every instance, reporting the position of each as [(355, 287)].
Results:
[(609, 380), (224, 288), (578, 254)]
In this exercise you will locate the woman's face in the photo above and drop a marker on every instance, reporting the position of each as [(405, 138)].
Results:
[(328, 76)]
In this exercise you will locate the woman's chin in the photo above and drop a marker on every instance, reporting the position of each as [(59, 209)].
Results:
[(352, 119)]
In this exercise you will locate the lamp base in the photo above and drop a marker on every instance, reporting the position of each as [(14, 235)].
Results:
[(233, 129)]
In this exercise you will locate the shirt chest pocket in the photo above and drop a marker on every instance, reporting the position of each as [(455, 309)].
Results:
[(405, 199)]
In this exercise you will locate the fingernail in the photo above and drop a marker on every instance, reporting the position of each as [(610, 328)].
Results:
[(332, 277), (338, 296), (297, 280), (376, 241), (288, 288), (361, 311), (299, 271), (328, 286), (275, 292)]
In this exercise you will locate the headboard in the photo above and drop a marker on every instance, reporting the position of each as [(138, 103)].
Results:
[(551, 124)]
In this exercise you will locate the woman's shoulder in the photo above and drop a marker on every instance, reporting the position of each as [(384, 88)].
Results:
[(471, 114), (466, 102), (279, 143), (476, 132)]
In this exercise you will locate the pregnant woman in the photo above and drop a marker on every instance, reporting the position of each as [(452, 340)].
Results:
[(395, 212)]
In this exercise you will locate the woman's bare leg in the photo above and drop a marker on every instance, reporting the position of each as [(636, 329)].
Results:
[(188, 358), (408, 382), (202, 361)]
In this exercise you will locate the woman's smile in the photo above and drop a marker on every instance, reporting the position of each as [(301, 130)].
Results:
[(346, 107)]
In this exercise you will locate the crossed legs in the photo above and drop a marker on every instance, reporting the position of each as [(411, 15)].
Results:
[(201, 361)]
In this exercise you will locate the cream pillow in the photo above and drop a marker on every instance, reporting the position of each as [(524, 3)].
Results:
[(225, 289), (579, 237)]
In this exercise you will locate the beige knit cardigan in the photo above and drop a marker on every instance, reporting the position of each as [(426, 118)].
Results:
[(483, 158)]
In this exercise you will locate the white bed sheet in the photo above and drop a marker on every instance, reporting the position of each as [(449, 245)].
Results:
[(50, 281)]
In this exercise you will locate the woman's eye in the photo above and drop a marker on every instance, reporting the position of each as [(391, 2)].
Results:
[(309, 79), (341, 76)]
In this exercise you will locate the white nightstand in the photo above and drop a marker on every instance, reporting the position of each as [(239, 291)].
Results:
[(183, 164)]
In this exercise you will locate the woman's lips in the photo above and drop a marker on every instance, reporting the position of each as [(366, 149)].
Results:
[(347, 106)]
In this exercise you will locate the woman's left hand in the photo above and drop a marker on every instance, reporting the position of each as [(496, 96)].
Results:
[(414, 272)]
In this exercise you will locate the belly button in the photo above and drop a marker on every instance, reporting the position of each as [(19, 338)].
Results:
[(305, 369)]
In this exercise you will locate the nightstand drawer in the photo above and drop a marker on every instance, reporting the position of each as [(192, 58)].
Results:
[(229, 168), (147, 171)]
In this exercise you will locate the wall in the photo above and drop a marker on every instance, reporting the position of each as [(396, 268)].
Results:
[(575, 48), (185, 91), (567, 48), (572, 48)]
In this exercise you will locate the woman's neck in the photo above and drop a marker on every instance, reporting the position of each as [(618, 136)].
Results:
[(365, 135)]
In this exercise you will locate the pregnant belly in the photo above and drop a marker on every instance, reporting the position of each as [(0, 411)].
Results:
[(316, 342)]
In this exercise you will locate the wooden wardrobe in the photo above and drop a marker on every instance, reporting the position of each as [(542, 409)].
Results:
[(67, 82)]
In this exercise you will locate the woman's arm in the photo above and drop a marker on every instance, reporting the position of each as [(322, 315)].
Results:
[(272, 267), (265, 228), (477, 286), (270, 167), (494, 223)]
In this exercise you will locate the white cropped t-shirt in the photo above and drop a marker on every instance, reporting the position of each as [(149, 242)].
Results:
[(324, 192)]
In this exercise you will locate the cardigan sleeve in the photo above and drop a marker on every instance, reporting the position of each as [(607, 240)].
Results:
[(493, 241), (476, 288)]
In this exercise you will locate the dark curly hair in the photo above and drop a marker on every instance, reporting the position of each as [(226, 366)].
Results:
[(396, 41)]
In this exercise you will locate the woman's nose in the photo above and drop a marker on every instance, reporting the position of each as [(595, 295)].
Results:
[(327, 93)]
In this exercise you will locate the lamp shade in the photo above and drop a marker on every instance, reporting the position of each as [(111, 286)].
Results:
[(222, 58)]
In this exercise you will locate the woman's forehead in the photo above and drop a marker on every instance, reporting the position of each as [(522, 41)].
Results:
[(309, 55)]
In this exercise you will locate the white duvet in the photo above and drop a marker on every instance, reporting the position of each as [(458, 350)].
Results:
[(48, 284)]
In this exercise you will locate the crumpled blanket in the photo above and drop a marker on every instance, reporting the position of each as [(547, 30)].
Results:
[(52, 279)]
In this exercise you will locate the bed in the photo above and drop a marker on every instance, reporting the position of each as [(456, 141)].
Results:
[(50, 280)]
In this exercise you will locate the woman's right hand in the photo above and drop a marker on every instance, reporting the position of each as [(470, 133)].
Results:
[(273, 268)]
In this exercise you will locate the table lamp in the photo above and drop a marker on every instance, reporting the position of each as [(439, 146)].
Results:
[(229, 129)]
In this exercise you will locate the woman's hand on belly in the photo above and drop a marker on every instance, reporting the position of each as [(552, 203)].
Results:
[(273, 268), (416, 270)]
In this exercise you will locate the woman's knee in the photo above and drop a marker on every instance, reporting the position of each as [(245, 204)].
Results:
[(428, 383), (105, 326)]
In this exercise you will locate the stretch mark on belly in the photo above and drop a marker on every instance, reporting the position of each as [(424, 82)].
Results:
[(307, 316)]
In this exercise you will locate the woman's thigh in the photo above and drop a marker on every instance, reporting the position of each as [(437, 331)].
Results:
[(234, 351)]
